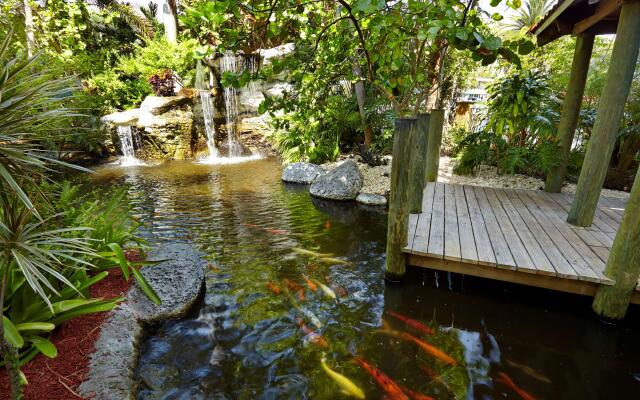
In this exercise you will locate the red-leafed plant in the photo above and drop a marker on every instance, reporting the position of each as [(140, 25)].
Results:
[(163, 83)]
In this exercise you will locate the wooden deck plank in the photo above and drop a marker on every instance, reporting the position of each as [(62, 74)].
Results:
[(554, 254), (604, 205), (561, 207), (583, 272), (601, 219), (421, 241), (436, 235), (483, 245), (538, 256), (517, 248), (504, 258), (590, 260), (602, 252), (413, 223), (468, 252), (451, 234)]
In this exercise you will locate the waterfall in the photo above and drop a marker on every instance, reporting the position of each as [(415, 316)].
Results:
[(207, 110), (228, 63), (126, 143), (251, 65)]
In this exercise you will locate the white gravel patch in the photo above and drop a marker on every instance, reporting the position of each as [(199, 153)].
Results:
[(376, 179)]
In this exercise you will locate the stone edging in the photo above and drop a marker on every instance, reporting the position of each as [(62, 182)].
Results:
[(178, 280)]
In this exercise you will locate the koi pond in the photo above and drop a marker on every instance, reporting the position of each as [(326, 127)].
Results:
[(292, 281)]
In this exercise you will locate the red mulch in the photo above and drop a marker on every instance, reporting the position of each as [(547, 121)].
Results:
[(55, 379)]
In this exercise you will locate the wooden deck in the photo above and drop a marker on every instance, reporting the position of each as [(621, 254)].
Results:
[(513, 235)]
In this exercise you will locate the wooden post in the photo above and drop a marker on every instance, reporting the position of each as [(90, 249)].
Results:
[(610, 109), (418, 144), (398, 222), (623, 265), (436, 125), (571, 109)]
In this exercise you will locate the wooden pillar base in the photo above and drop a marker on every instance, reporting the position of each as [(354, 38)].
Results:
[(571, 110), (398, 220), (436, 124), (623, 265), (418, 143)]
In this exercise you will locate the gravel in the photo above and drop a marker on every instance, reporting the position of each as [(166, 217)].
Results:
[(376, 179)]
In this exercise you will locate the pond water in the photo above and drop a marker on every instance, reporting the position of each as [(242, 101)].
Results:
[(262, 331)]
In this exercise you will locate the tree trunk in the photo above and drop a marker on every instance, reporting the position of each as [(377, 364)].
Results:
[(7, 351), (170, 19), (610, 110), (28, 28), (360, 98), (433, 76), (623, 265), (617, 175)]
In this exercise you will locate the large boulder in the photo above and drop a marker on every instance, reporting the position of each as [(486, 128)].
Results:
[(168, 135), (157, 105), (341, 183), (371, 199), (122, 118), (301, 172)]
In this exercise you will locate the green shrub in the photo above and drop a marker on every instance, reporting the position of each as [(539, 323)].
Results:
[(127, 83)]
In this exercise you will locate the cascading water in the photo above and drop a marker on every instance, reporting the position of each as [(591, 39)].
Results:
[(228, 63), (126, 143), (207, 111)]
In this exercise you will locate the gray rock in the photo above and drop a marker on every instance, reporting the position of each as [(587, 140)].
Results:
[(178, 281), (371, 199), (301, 172), (122, 118), (159, 105), (341, 183)]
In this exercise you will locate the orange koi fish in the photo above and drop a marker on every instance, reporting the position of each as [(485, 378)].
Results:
[(274, 288), (393, 390), (426, 347), (416, 395), (313, 336), (301, 294), (412, 323), (276, 231), (312, 286), (252, 226), (213, 268), (292, 286), (507, 381), (327, 224)]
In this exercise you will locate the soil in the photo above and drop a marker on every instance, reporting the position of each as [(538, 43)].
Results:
[(59, 378)]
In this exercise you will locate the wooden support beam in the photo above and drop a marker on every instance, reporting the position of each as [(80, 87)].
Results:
[(418, 145), (603, 10), (623, 265), (571, 109), (436, 125), (610, 109), (398, 220)]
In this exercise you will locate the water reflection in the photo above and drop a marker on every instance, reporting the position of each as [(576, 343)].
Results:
[(251, 341)]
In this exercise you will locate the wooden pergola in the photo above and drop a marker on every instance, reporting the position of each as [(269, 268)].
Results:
[(585, 19), (527, 237)]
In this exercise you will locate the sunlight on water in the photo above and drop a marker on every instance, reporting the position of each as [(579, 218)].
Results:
[(291, 279), (217, 160)]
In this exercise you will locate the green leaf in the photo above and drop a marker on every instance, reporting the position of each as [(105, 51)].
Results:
[(497, 17), (146, 288), (45, 346), (494, 3), (35, 326), (526, 47), (11, 334), (422, 34), (124, 265)]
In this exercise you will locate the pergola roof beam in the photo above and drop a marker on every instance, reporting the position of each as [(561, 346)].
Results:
[(604, 9)]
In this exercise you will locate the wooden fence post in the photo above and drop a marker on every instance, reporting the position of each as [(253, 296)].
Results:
[(418, 167), (398, 221), (610, 109), (436, 125), (623, 265), (571, 109)]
